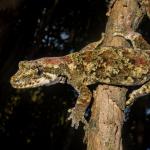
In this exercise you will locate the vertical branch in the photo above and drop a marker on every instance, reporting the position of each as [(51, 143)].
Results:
[(107, 119), (106, 122)]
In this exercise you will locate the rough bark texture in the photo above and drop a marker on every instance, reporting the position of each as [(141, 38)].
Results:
[(106, 122), (107, 119)]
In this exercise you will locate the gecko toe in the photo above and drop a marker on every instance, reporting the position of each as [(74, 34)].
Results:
[(76, 117)]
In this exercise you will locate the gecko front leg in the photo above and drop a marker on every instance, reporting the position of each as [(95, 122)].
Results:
[(143, 90), (77, 112)]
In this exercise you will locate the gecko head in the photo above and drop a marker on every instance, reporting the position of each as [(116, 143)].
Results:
[(32, 74)]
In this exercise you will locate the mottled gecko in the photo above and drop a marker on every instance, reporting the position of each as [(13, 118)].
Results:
[(105, 65)]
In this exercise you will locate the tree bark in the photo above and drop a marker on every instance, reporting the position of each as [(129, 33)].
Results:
[(107, 119), (105, 125)]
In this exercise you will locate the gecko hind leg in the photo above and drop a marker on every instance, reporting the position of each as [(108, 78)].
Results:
[(136, 39), (77, 112), (143, 90)]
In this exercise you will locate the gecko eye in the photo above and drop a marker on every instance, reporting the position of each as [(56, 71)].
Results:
[(39, 71)]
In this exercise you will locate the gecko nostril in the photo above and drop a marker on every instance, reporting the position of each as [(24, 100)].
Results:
[(21, 64), (14, 81)]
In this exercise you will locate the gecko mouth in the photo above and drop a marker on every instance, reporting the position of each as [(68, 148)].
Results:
[(32, 83), (60, 79)]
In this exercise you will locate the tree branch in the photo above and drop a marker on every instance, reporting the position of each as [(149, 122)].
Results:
[(107, 117)]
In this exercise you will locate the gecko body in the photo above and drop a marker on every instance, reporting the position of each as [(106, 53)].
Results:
[(104, 65)]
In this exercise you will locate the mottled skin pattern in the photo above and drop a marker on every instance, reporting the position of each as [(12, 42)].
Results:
[(105, 65)]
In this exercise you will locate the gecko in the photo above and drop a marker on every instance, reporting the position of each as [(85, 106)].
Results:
[(118, 66)]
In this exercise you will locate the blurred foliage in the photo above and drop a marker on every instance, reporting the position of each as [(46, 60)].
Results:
[(37, 118)]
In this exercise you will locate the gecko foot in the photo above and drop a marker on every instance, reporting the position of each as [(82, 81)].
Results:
[(76, 116), (143, 90), (129, 102)]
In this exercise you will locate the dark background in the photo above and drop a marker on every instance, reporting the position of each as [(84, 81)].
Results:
[(37, 118)]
